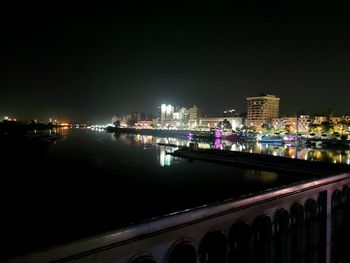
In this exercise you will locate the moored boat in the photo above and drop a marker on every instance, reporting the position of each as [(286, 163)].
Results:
[(270, 139)]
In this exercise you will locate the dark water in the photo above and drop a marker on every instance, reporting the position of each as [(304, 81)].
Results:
[(89, 182)]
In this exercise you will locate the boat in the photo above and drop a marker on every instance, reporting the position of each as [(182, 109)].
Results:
[(270, 139), (248, 137)]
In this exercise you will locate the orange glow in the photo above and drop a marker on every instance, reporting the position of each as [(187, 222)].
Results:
[(64, 124)]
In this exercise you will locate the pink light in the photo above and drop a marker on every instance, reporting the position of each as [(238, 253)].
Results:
[(190, 136), (217, 133), (217, 144)]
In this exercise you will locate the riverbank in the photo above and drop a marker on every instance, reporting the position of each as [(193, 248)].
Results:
[(164, 133)]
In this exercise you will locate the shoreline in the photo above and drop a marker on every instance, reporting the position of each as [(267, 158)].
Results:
[(164, 133)]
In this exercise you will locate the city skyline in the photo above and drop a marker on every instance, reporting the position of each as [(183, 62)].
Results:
[(88, 63), (330, 112)]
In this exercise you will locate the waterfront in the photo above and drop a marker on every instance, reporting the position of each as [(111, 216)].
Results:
[(333, 155), (89, 182)]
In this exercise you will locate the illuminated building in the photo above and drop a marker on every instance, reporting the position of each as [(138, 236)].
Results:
[(115, 119), (144, 124), (336, 120), (178, 117), (296, 124), (130, 119), (193, 116), (236, 122), (262, 109), (6, 118), (166, 114), (303, 123), (319, 119)]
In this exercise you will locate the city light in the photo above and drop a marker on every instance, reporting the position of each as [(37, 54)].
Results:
[(7, 118)]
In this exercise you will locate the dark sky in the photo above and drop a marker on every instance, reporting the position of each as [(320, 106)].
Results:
[(88, 62)]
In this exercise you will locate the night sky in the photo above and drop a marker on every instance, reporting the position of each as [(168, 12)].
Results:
[(88, 62)]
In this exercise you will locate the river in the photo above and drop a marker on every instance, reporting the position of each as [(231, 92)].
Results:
[(89, 182)]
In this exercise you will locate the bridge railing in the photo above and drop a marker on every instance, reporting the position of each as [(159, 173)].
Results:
[(304, 222)]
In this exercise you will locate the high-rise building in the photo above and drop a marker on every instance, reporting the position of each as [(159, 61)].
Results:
[(170, 116), (262, 109), (166, 114), (193, 115)]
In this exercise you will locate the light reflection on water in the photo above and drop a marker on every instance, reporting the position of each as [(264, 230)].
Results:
[(167, 161), (304, 153), (261, 176)]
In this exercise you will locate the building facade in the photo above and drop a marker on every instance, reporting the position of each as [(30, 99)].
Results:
[(319, 119), (262, 109), (336, 120), (295, 124), (166, 114), (193, 114), (236, 122), (178, 117)]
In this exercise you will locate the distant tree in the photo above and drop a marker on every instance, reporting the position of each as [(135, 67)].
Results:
[(342, 126), (116, 124), (244, 128), (266, 126), (344, 123), (252, 128), (314, 127), (326, 126), (344, 137), (288, 129), (225, 124)]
